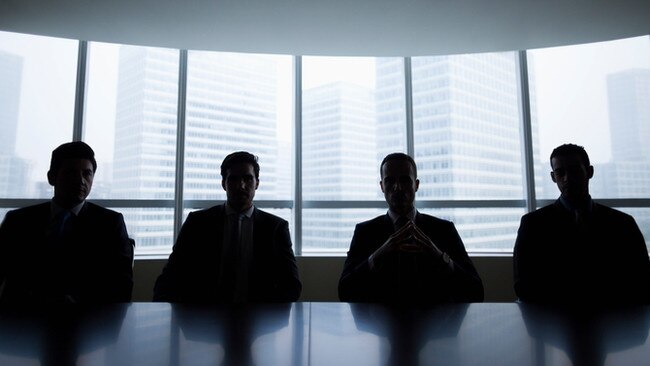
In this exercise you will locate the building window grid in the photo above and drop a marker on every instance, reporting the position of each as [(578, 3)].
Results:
[(529, 201)]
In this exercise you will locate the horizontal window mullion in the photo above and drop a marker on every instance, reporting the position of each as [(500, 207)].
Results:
[(145, 203), (611, 202)]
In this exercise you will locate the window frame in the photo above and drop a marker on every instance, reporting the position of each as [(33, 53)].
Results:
[(529, 202)]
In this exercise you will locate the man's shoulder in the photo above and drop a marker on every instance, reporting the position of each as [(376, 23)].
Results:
[(40, 207), (267, 216), (611, 213), (207, 213), (97, 210), (28, 212), (543, 212), (377, 221), (432, 220)]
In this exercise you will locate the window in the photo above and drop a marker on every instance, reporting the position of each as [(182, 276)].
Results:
[(605, 107), (130, 122), (467, 142), (238, 102), (37, 99), (459, 115), (352, 116)]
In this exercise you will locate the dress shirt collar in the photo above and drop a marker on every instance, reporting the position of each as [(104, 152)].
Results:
[(248, 213), (395, 216), (587, 207), (55, 208)]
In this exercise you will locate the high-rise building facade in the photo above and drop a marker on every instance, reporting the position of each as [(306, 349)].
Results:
[(628, 174), (338, 159), (13, 169)]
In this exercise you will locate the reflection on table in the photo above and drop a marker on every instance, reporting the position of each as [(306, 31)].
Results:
[(336, 334)]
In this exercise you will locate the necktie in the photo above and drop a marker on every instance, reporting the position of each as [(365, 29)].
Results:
[(580, 216), (61, 226), (407, 268), (231, 260)]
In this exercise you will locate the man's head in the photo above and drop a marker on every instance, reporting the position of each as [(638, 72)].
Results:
[(240, 177), (71, 173), (571, 171), (399, 182)]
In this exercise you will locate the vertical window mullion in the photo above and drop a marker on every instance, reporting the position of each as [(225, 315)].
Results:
[(297, 138), (180, 142), (80, 91), (526, 130), (408, 89)]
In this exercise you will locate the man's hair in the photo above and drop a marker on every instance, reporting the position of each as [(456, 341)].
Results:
[(72, 150), (398, 156), (240, 157), (570, 150)]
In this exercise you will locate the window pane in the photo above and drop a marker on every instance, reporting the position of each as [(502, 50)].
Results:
[(353, 115), (131, 120), (598, 96), (3, 212), (486, 230), (131, 123), (330, 230), (238, 102), (151, 228), (466, 125), (37, 96)]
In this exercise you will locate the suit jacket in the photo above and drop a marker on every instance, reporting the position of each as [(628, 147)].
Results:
[(603, 261), (192, 271), (93, 264), (425, 279)]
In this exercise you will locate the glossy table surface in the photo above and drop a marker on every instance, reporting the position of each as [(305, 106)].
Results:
[(324, 334)]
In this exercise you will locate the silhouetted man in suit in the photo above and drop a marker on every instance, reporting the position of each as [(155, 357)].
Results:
[(67, 250), (576, 250), (234, 252), (407, 256)]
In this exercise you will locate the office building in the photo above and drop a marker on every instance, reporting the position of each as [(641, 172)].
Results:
[(14, 171)]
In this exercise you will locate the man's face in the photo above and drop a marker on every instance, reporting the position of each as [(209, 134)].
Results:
[(571, 176), (399, 185), (72, 181), (240, 185)]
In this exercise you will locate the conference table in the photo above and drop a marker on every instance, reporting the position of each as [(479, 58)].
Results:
[(319, 334)]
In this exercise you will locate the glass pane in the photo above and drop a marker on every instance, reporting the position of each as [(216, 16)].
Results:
[(151, 228), (37, 95), (330, 230), (131, 120), (466, 126), (3, 212), (353, 115), (598, 96), (485, 230), (238, 102)]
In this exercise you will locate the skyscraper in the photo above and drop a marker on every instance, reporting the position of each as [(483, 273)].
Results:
[(628, 175), (11, 67), (339, 159), (629, 114), (13, 169)]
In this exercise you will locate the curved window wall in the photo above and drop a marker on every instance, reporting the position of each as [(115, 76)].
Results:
[(480, 126)]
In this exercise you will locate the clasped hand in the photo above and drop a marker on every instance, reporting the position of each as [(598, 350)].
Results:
[(409, 238)]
